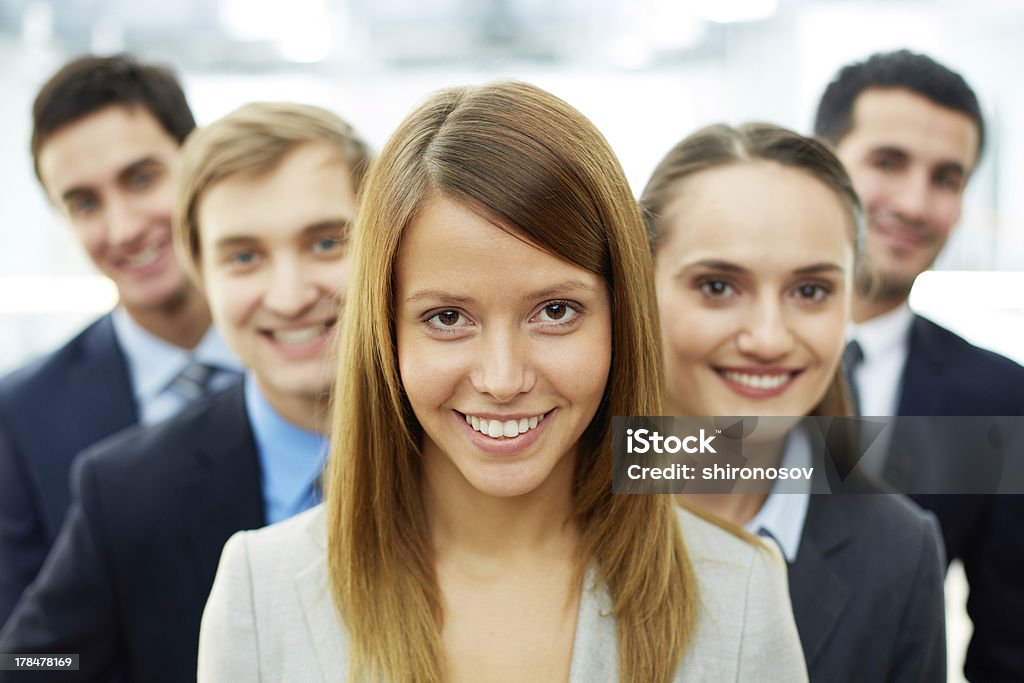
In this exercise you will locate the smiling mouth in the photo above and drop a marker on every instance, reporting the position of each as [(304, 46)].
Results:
[(758, 383), (300, 335), (144, 258), (503, 429)]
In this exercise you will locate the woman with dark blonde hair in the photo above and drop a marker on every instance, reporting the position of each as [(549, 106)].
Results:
[(754, 231), (501, 312)]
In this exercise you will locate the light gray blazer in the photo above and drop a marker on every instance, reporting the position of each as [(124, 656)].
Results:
[(270, 616)]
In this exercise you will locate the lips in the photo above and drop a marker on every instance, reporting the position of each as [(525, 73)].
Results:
[(508, 429), (300, 335), (758, 383)]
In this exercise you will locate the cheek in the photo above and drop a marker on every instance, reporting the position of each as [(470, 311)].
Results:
[(690, 334), (428, 370), (825, 335), (945, 214), (231, 300)]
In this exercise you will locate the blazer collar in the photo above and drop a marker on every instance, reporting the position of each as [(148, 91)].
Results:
[(330, 641), (222, 486), (921, 384), (817, 593)]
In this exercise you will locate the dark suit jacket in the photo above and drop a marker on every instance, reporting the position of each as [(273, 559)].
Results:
[(867, 591), (129, 575), (945, 375), (50, 411)]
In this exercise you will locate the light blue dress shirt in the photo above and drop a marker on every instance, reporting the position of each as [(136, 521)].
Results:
[(782, 516), (153, 363), (291, 458)]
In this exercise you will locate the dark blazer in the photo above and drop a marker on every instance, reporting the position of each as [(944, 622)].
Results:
[(50, 411), (867, 591), (946, 375), (129, 575)]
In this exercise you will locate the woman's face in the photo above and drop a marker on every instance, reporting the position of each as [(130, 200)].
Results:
[(753, 280), (504, 350)]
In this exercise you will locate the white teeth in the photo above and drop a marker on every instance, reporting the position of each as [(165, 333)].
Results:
[(507, 429), (144, 258), (758, 381), (300, 336)]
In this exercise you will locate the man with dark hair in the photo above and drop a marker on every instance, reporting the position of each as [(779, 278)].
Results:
[(106, 146), (910, 132)]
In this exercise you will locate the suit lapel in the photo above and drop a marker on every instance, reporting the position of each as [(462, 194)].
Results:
[(100, 387), (325, 631), (921, 383), (222, 491), (818, 594)]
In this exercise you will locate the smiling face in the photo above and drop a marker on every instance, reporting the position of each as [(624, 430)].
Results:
[(112, 174), (909, 159), (274, 267), (753, 280), (504, 351)]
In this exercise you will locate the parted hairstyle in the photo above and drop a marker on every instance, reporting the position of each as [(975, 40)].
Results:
[(535, 166), (251, 141), (904, 69), (90, 83), (721, 145)]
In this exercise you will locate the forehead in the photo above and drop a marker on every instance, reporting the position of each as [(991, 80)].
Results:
[(756, 213), (310, 185), (450, 245), (93, 149), (900, 119)]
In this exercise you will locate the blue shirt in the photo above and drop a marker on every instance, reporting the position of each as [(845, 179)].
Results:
[(153, 363), (291, 458), (783, 514)]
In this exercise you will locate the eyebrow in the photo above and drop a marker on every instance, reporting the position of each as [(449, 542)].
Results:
[(546, 293), (330, 224), (729, 267), (123, 176), (945, 166)]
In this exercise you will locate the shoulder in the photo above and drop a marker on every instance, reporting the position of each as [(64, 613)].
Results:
[(49, 371), (955, 347), (273, 555), (744, 619), (142, 447)]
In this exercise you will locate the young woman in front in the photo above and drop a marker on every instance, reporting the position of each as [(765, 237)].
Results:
[(501, 312), (754, 232)]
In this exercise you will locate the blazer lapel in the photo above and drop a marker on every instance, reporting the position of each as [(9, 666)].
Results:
[(325, 630), (817, 593), (222, 492), (595, 648), (921, 383), (100, 378)]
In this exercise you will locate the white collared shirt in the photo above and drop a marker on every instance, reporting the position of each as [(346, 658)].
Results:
[(885, 341), (782, 516), (153, 363)]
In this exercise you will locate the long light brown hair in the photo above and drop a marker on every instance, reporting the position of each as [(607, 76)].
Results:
[(531, 163), (721, 145)]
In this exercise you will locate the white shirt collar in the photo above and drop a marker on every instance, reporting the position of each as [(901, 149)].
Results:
[(883, 333), (783, 515), (153, 362)]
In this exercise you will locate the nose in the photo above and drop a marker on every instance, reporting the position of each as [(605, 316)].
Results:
[(289, 291), (766, 336), (504, 368), (912, 199), (125, 223)]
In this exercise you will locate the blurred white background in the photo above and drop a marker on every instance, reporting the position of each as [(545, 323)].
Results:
[(648, 72)]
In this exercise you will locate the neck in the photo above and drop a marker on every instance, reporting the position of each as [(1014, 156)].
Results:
[(740, 507), (181, 322), (865, 309), (309, 412), (465, 522)]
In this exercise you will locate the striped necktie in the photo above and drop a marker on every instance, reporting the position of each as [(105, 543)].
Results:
[(853, 356), (193, 383)]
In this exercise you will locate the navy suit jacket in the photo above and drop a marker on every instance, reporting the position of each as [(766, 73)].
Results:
[(128, 578), (867, 591), (946, 375), (50, 411)]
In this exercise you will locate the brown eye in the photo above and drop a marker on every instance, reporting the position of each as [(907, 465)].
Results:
[(448, 318), (556, 311)]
